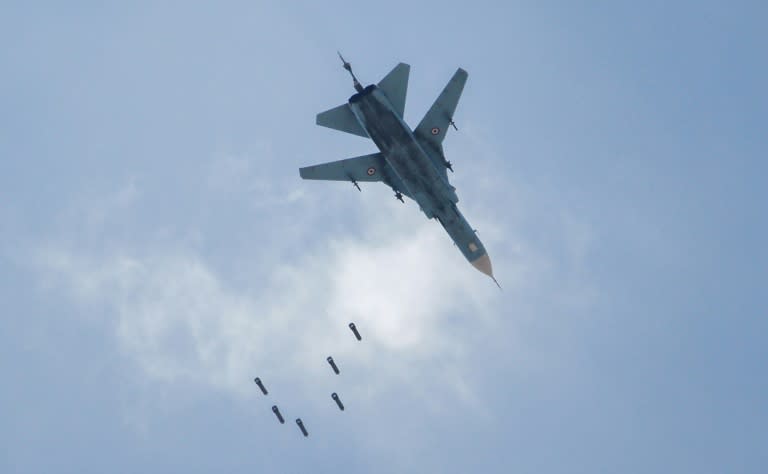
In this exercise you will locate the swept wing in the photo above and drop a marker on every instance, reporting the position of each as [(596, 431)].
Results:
[(371, 167), (431, 130)]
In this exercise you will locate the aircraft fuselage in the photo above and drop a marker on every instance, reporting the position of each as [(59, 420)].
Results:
[(416, 172)]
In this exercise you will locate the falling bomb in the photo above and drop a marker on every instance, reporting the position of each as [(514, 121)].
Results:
[(338, 401), (333, 365), (277, 414), (261, 385), (354, 331), (301, 427)]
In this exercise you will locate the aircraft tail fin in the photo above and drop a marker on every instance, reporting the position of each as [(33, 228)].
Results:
[(435, 123), (395, 86), (341, 118)]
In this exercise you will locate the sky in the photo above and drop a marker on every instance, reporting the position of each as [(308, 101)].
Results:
[(158, 249)]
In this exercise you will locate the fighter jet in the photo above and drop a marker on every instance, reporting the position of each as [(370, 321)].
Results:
[(410, 161)]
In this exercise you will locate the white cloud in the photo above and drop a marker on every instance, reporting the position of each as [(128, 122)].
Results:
[(180, 321), (411, 293), (241, 177), (94, 209)]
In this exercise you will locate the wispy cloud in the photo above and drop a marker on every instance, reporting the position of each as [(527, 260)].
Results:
[(178, 318), (184, 322), (181, 322)]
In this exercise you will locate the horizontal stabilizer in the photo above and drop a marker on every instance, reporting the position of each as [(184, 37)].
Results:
[(341, 118), (395, 86), (432, 128)]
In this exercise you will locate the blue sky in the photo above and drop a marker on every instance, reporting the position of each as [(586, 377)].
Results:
[(158, 250)]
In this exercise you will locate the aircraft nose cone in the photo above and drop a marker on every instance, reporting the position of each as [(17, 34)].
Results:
[(484, 265)]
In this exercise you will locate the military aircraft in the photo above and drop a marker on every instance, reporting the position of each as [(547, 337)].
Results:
[(411, 162)]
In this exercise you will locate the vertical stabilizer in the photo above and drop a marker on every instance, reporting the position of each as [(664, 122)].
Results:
[(395, 86)]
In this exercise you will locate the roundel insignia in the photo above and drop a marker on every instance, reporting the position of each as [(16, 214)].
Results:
[(435, 131), (371, 171)]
